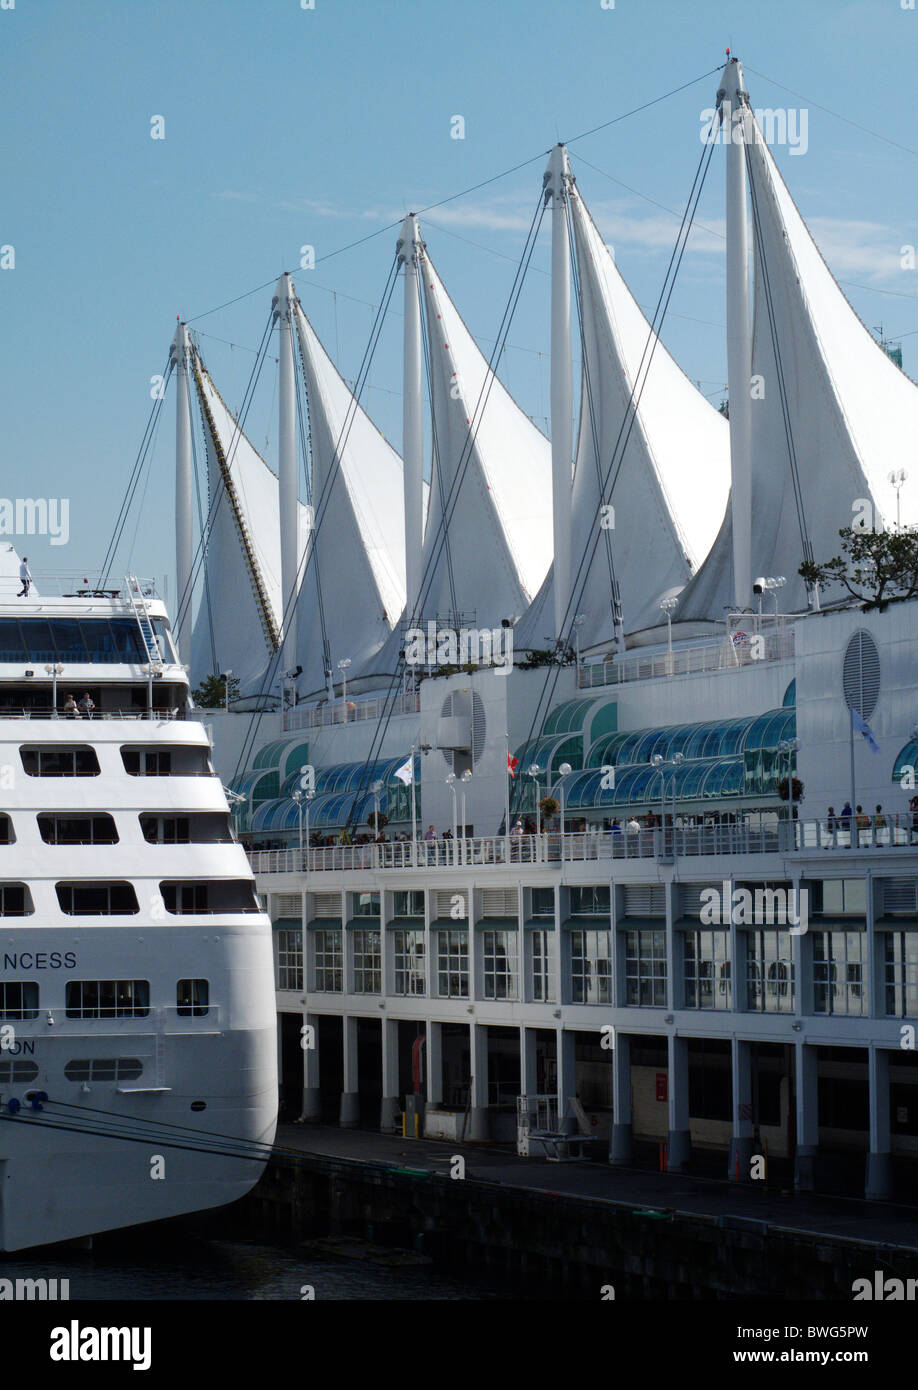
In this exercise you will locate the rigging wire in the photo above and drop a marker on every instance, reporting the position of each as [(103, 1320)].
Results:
[(136, 470)]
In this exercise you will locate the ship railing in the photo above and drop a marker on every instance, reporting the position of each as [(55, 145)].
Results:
[(157, 715), (750, 640), (350, 712), (78, 584), (897, 832)]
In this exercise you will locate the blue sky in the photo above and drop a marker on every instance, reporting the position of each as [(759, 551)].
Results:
[(286, 127)]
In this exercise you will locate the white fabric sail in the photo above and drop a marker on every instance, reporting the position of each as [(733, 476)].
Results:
[(670, 484), (490, 476), (241, 605), (357, 561), (853, 414)]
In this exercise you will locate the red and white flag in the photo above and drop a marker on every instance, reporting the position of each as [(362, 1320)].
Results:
[(512, 763)]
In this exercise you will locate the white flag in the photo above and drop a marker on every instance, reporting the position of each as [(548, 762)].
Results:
[(405, 773)]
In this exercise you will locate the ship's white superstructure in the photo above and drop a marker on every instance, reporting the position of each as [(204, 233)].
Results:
[(137, 1070)]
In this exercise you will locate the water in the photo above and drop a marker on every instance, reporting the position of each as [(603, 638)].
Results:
[(195, 1269)]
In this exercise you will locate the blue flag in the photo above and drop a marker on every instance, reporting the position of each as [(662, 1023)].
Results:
[(861, 726)]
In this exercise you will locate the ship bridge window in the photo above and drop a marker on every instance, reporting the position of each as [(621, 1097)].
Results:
[(17, 1072), (104, 1069), (19, 999), (59, 760), (108, 998), (80, 640), (174, 761), (7, 835), (192, 998), (15, 900), (97, 899), (214, 895), (73, 829), (199, 828)]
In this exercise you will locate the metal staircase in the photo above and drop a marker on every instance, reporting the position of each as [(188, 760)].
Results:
[(138, 601)]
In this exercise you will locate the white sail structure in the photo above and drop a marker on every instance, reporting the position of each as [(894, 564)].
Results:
[(667, 487), (489, 513), (824, 446), (240, 609), (355, 571)]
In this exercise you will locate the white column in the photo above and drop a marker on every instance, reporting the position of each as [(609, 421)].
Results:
[(479, 1119), (409, 248), (737, 129), (739, 1163), (806, 1099), (879, 1184), (288, 490), (312, 1096), (349, 1116), (567, 1078), (620, 1137), (529, 1069), (680, 1138), (562, 387), (183, 498), (391, 1104), (434, 1064)]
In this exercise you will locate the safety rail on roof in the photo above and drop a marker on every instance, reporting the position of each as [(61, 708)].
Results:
[(354, 711), (551, 847), (159, 715), (748, 642), (79, 584)]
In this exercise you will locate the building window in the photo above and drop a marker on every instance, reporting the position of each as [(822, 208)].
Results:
[(769, 972), (328, 963), (589, 902), (543, 989), (840, 895), (707, 970), (192, 998), (408, 903), (216, 895), (7, 835), (408, 954), (97, 899), (147, 762), (289, 958), (104, 1069), (499, 957), (108, 998), (15, 900), (645, 968), (838, 973), (50, 761), (453, 964), (19, 999), (543, 902), (77, 830), (366, 904), (900, 973), (367, 961), (591, 967)]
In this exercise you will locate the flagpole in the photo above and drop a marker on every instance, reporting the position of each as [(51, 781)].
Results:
[(507, 804), (414, 817), (855, 834)]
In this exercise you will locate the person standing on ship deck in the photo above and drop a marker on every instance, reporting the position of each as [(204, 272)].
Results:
[(25, 578)]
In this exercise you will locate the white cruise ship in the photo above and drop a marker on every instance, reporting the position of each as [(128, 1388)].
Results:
[(138, 1076)]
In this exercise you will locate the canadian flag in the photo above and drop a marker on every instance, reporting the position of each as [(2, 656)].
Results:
[(512, 763)]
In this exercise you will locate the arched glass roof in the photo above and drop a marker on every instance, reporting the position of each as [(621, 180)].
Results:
[(357, 776), (568, 717), (549, 751), (711, 739), (640, 785), (790, 694), (325, 813), (282, 753)]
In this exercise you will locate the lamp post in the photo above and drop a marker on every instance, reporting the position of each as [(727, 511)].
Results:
[(154, 668), (898, 477), (464, 780), (451, 783), (773, 584), (342, 667), (668, 605), (376, 788), (414, 812), (226, 690), (563, 771), (54, 671), (660, 764), (534, 772)]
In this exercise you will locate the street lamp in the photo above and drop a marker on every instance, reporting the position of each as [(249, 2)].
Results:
[(342, 667), (54, 671), (451, 783), (534, 772), (667, 605), (563, 771), (226, 690), (772, 584), (376, 788), (898, 477), (465, 779)]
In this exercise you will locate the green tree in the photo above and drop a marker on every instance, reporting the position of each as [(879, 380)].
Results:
[(211, 693), (875, 567)]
